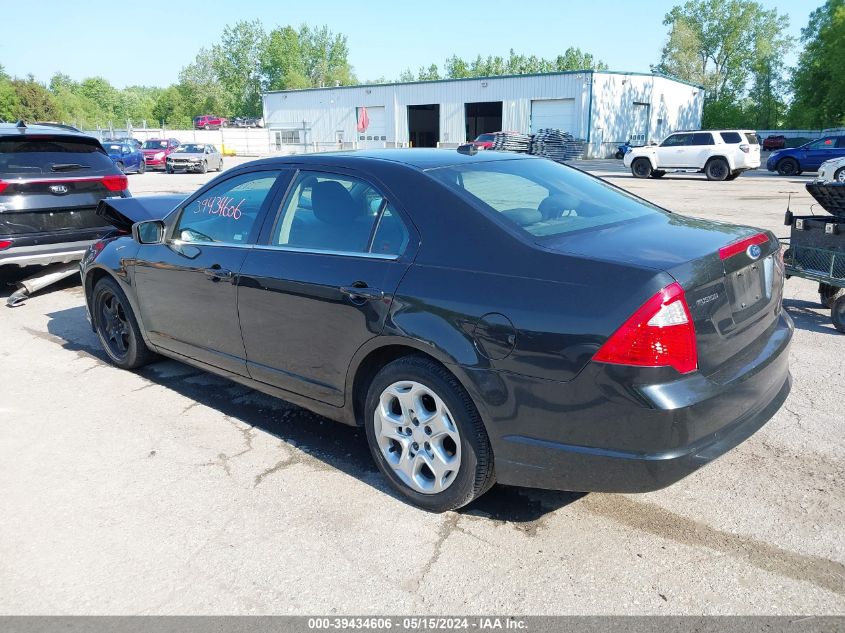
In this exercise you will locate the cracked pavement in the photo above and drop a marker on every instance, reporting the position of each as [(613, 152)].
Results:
[(172, 491)]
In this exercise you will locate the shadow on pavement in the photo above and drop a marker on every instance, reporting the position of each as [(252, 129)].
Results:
[(336, 445), (810, 316)]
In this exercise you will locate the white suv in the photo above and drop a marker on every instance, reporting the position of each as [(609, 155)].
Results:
[(720, 154)]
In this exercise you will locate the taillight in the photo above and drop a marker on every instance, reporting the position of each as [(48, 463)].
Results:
[(97, 248), (659, 334), (3, 185), (744, 147), (116, 182), (4, 244), (742, 245)]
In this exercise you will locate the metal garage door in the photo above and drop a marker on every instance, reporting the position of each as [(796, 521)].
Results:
[(376, 133), (553, 113), (639, 124)]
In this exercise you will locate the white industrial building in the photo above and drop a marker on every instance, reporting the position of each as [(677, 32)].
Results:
[(601, 108)]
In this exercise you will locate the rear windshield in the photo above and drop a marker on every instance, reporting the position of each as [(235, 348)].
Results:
[(48, 155), (541, 197), (731, 137), (752, 138)]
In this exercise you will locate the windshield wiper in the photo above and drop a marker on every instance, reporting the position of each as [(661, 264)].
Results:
[(68, 167)]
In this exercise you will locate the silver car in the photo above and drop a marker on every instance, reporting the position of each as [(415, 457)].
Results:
[(832, 170), (198, 157)]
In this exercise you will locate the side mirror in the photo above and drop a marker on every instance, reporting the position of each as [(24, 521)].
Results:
[(149, 232)]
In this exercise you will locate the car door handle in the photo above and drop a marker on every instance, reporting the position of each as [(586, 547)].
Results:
[(216, 273), (362, 292)]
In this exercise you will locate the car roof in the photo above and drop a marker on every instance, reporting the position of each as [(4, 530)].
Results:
[(10, 129), (419, 158)]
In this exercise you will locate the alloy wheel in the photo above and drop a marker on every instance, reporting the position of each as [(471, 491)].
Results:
[(418, 437), (114, 325)]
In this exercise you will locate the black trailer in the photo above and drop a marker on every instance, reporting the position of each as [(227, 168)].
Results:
[(815, 248)]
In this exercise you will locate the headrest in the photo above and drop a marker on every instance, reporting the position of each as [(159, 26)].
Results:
[(333, 204), (558, 205)]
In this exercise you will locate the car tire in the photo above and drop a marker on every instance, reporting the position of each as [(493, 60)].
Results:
[(168, 170), (117, 327), (717, 169), (828, 294), (404, 443), (839, 176), (658, 173), (207, 127), (220, 165), (788, 167), (619, 155), (204, 167), (142, 167), (641, 168), (837, 314)]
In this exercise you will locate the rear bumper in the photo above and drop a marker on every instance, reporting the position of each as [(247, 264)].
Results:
[(44, 254), (595, 434)]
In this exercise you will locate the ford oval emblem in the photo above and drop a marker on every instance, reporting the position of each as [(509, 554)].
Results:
[(59, 190), (754, 251)]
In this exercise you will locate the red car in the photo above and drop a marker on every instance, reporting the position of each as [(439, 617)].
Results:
[(774, 142), (209, 122), (484, 141), (156, 151)]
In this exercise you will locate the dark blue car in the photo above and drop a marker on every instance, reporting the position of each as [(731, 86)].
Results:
[(808, 157), (126, 157)]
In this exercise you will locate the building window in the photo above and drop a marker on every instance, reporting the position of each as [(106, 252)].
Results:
[(287, 137)]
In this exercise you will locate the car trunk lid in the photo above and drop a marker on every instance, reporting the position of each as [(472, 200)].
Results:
[(733, 291)]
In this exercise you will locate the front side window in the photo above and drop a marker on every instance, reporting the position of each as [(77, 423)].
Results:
[(541, 197), (328, 212), (227, 212), (823, 143), (677, 140)]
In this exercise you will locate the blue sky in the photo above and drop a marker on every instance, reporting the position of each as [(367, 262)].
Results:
[(384, 37)]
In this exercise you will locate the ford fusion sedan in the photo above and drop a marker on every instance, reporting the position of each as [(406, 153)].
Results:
[(488, 317), (197, 157)]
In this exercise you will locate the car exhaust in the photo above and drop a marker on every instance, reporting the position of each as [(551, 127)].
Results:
[(45, 278)]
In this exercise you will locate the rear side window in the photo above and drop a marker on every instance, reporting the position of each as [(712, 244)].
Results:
[(39, 155), (227, 212), (752, 138), (702, 138), (541, 197), (840, 142), (731, 137)]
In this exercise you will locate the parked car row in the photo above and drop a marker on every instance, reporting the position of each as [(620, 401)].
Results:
[(212, 122)]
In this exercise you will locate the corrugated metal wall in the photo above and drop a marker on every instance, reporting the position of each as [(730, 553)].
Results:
[(329, 114)]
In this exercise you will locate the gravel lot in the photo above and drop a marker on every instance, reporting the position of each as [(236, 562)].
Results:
[(172, 491)]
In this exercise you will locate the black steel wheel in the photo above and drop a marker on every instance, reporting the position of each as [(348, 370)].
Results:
[(837, 314), (788, 167), (717, 169), (641, 168), (117, 328), (829, 294), (426, 435)]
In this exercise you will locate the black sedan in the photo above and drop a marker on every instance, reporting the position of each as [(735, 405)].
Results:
[(489, 317)]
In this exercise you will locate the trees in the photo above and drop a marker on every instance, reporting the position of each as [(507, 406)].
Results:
[(818, 82), (735, 49), (34, 101), (237, 65), (515, 64)]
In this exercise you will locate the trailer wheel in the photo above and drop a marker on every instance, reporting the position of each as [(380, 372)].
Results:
[(829, 294), (837, 314)]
